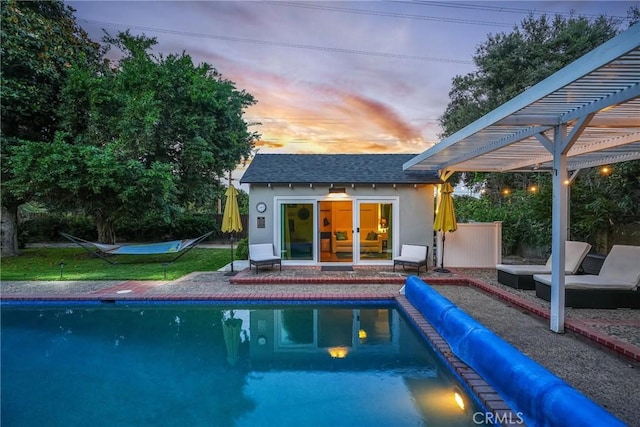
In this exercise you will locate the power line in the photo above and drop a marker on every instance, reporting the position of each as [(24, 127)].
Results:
[(279, 44), (505, 9), (513, 10), (390, 14)]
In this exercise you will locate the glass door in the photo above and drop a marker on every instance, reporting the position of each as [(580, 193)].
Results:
[(374, 231), (296, 231), (335, 222)]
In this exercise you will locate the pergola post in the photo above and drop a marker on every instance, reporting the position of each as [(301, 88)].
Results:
[(559, 228)]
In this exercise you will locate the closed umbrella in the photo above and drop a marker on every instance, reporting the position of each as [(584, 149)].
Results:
[(231, 222), (231, 329), (445, 219)]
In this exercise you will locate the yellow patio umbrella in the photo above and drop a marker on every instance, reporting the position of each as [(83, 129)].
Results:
[(231, 329), (231, 222), (445, 219)]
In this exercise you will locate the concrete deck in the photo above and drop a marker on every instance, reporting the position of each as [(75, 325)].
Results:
[(599, 354)]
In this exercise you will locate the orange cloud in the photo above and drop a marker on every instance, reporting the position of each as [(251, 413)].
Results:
[(381, 115), (298, 116)]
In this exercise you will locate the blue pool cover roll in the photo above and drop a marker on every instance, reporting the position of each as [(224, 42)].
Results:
[(528, 387)]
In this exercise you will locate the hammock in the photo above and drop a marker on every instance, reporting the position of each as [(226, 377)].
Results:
[(102, 250)]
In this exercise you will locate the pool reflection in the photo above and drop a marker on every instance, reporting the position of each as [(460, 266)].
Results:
[(238, 366)]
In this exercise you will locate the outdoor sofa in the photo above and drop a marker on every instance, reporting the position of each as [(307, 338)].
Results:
[(412, 256), (370, 241), (616, 286), (521, 276)]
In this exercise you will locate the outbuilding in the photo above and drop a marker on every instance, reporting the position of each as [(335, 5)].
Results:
[(339, 208)]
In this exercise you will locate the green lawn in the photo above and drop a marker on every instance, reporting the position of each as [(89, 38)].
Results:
[(44, 264)]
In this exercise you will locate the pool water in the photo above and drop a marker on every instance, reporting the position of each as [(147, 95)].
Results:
[(205, 365)]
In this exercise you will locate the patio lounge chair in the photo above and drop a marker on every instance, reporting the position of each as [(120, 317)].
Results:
[(413, 256), (262, 254), (521, 276), (615, 286)]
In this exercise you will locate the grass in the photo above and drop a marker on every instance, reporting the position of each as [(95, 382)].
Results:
[(44, 264)]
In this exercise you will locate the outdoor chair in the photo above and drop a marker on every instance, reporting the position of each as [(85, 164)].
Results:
[(616, 285), (413, 256), (262, 254), (521, 276)]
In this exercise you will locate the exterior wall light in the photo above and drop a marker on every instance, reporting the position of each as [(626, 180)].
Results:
[(336, 190)]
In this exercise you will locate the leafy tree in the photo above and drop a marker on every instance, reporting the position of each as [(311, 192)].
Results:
[(40, 43), (149, 133)]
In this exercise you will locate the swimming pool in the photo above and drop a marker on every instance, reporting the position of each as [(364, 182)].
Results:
[(194, 364)]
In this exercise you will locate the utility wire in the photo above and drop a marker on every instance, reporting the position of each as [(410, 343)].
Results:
[(280, 44), (504, 9), (389, 14), (512, 10)]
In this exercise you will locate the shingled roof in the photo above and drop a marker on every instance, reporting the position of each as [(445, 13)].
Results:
[(334, 169)]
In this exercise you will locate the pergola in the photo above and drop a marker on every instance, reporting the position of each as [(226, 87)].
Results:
[(585, 115)]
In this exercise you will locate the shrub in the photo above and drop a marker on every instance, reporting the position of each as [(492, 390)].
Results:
[(242, 249), (47, 227), (150, 228), (526, 218)]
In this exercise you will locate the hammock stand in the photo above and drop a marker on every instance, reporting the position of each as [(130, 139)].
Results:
[(102, 251)]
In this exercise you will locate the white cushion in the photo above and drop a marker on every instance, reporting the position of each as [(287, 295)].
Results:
[(622, 264), (523, 270), (262, 252), (412, 253), (620, 270), (574, 253), (573, 256), (586, 281)]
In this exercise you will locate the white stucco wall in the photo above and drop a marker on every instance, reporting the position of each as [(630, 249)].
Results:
[(414, 214)]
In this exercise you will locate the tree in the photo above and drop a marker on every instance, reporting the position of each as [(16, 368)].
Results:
[(40, 43), (149, 133)]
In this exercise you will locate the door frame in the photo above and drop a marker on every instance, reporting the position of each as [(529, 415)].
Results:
[(395, 210), (356, 201)]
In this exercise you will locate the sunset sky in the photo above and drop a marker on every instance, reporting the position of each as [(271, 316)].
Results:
[(332, 77)]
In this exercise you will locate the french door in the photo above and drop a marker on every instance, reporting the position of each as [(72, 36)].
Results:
[(374, 219), (354, 231)]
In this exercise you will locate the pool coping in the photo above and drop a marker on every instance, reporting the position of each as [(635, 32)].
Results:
[(576, 326)]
